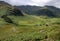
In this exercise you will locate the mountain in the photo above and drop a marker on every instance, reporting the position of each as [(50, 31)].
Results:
[(7, 10), (37, 10), (29, 9), (50, 11), (4, 3)]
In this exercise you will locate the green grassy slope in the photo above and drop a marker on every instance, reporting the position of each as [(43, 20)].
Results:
[(31, 28)]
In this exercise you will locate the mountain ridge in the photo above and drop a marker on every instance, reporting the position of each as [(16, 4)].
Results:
[(34, 10), (49, 11)]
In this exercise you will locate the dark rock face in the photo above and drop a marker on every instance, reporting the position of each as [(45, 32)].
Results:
[(7, 19), (16, 12)]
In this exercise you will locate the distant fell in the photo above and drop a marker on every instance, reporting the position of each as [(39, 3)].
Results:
[(37, 10)]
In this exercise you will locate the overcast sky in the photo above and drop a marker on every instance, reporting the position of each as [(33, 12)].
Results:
[(34, 2)]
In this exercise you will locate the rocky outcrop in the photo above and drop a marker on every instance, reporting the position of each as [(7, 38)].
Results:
[(16, 12)]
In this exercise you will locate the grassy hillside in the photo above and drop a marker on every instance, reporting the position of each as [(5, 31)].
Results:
[(15, 25), (31, 28)]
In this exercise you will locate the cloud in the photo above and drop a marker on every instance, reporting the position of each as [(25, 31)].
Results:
[(34, 2), (54, 3), (27, 2), (40, 2), (17, 2)]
